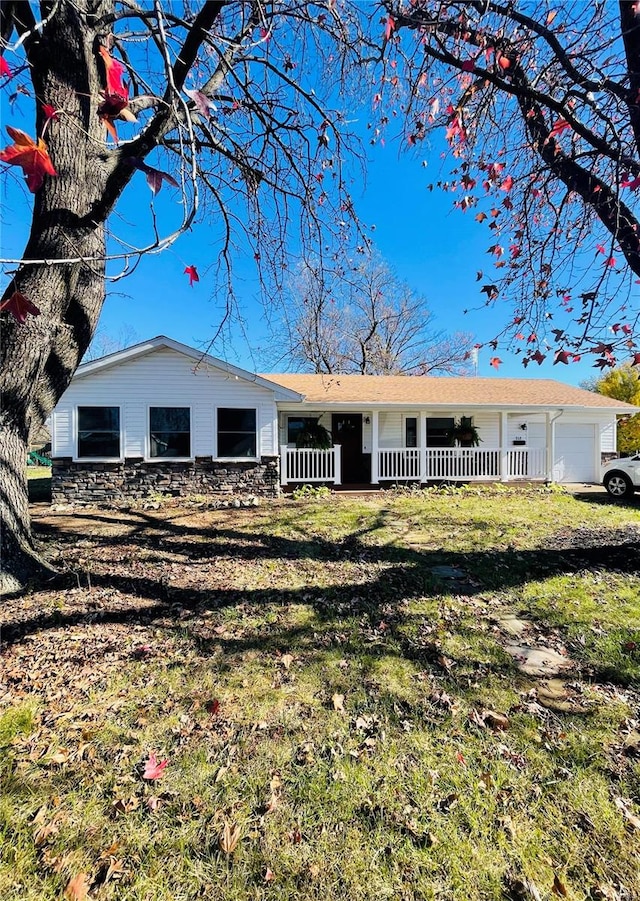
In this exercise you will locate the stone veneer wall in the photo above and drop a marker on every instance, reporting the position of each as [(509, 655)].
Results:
[(101, 483)]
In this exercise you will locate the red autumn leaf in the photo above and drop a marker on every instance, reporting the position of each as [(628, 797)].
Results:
[(480, 217), (4, 67), (202, 102), (600, 248), (32, 157), (635, 360), (389, 27), (507, 184), (50, 112), (495, 362), (538, 357), (468, 65), (504, 62), (561, 357), (611, 262), (114, 70), (212, 706), (627, 329), (19, 306), (627, 182), (154, 768), (615, 328), (192, 272), (559, 126)]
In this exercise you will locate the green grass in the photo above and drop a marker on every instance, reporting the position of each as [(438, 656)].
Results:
[(348, 746)]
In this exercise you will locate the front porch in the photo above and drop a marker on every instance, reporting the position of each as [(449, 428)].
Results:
[(412, 464)]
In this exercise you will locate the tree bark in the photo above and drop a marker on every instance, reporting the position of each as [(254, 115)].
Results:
[(38, 358)]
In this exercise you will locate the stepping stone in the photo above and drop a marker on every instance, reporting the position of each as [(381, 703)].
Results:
[(512, 625), (447, 572), (537, 661), (554, 694)]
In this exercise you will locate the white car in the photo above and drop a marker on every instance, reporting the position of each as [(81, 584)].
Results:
[(621, 477)]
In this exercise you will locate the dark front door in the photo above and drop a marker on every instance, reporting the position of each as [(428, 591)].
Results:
[(346, 430)]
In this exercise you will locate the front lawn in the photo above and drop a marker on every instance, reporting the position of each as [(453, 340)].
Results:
[(338, 688)]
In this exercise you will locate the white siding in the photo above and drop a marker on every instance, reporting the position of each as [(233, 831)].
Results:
[(488, 426), (164, 377)]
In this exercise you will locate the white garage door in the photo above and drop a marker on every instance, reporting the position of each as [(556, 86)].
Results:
[(575, 453)]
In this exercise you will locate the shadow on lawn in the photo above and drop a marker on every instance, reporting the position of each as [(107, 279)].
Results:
[(398, 575)]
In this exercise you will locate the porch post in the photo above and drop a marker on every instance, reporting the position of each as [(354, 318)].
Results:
[(375, 422), (337, 464), (549, 439), (283, 465), (422, 444), (504, 447)]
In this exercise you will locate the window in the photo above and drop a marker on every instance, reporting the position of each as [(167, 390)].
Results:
[(170, 431), (236, 433), (98, 431), (411, 432), (439, 432), (297, 424)]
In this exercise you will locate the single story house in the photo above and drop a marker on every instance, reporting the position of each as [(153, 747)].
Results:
[(161, 417)]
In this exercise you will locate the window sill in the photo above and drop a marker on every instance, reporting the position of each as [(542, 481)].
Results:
[(98, 459), (169, 459)]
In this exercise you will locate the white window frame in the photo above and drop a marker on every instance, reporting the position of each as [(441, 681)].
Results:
[(76, 435), (147, 438), (217, 456), (403, 436)]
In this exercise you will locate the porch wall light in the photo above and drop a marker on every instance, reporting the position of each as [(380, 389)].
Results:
[(523, 426), (367, 420)]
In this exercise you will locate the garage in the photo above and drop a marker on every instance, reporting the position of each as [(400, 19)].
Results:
[(574, 457)]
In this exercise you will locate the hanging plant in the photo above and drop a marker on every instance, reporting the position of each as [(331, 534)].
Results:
[(314, 435), (465, 434)]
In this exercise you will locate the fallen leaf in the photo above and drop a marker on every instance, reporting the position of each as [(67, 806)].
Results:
[(154, 768), (496, 721), (338, 702), (269, 875), (286, 660), (77, 888), (558, 887), (633, 822), (229, 837)]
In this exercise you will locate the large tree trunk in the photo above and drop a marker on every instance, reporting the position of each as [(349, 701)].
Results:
[(39, 357)]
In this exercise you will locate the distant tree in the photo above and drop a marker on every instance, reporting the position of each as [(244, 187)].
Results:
[(363, 319), (540, 104), (104, 342), (623, 383)]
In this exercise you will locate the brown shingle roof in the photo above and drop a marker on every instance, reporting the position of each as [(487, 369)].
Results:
[(445, 391)]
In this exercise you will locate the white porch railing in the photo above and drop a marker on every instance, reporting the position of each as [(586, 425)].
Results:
[(309, 465), (527, 463), (464, 464), (399, 463), (413, 464)]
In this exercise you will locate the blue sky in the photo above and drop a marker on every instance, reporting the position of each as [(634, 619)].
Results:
[(436, 249)]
